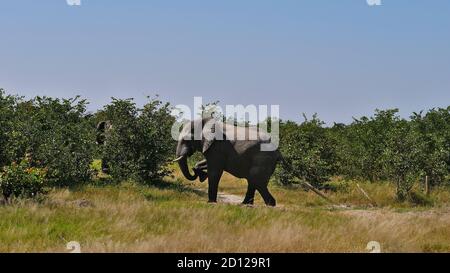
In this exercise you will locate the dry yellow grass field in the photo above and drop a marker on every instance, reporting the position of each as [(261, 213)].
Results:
[(174, 217)]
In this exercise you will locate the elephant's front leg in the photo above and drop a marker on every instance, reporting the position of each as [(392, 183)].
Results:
[(250, 195), (213, 184)]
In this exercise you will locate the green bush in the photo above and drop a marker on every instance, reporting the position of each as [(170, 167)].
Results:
[(387, 147), (310, 151), (61, 138), (157, 146), (121, 147), (57, 133), (378, 148), (139, 144), (22, 180), (434, 131), (361, 146), (7, 118), (402, 157)]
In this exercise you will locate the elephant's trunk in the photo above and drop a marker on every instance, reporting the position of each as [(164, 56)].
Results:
[(185, 169)]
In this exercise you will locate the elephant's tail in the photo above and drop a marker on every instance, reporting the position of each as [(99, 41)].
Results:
[(288, 166)]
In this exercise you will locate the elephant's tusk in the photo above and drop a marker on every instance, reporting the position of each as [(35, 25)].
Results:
[(178, 159)]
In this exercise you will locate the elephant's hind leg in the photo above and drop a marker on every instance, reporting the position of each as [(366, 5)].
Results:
[(259, 178), (261, 186), (268, 198)]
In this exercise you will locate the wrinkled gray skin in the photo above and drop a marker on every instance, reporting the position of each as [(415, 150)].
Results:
[(241, 158)]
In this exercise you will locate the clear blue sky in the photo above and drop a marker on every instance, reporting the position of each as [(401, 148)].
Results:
[(339, 58)]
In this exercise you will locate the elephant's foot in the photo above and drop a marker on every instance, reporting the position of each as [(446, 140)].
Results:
[(248, 202)]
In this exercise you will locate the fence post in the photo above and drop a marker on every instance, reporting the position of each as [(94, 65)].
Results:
[(427, 186)]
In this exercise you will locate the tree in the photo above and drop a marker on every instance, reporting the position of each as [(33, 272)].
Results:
[(434, 131), (7, 117), (363, 144), (310, 150), (55, 133), (139, 144), (402, 157)]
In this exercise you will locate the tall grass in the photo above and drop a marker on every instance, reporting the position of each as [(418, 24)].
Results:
[(173, 216)]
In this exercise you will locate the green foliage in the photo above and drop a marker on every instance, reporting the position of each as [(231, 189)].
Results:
[(22, 180), (60, 136), (402, 157), (434, 131), (121, 148), (308, 149), (378, 148), (56, 133), (7, 117), (139, 143), (362, 144), (157, 145), (387, 147)]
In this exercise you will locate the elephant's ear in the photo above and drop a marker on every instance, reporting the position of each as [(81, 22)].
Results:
[(212, 131)]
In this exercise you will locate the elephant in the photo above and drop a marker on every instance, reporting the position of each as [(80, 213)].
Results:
[(238, 155)]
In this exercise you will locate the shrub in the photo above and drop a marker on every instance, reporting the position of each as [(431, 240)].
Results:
[(402, 157), (7, 117), (57, 133), (22, 180), (309, 150), (361, 145), (120, 149), (387, 147), (60, 137), (139, 143), (156, 146), (434, 131)]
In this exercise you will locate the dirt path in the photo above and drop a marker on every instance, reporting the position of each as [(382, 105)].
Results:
[(224, 197), (229, 198), (370, 213)]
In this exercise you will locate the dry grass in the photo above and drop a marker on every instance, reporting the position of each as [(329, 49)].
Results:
[(174, 217)]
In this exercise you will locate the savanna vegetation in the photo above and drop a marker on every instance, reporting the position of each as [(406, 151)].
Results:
[(381, 148), (54, 190)]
